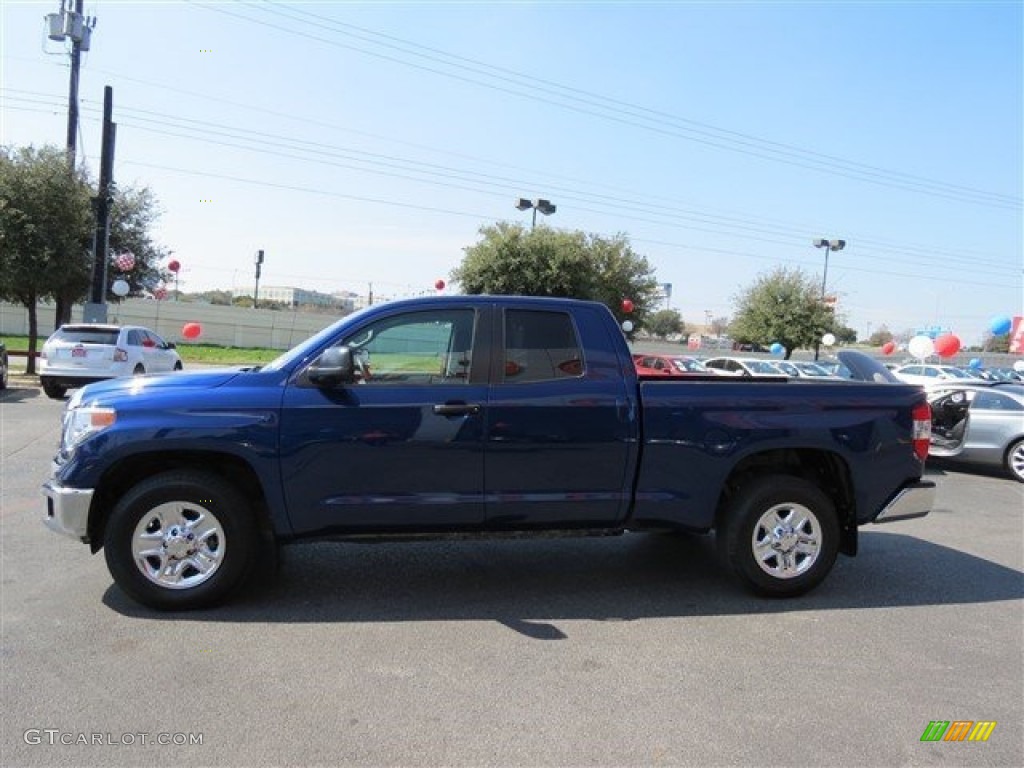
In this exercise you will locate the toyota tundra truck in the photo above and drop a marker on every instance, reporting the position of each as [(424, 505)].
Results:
[(464, 416)]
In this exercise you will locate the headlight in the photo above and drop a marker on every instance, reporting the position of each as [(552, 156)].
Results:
[(80, 423)]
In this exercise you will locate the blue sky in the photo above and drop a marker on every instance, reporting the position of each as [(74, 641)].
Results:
[(361, 143)]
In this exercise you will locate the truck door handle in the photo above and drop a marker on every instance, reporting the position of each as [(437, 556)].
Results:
[(457, 409)]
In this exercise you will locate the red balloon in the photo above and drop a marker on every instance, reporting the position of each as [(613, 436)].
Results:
[(191, 330), (947, 346), (174, 265), (889, 347), (627, 305), (439, 285)]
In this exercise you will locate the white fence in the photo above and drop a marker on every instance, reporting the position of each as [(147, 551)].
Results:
[(224, 326)]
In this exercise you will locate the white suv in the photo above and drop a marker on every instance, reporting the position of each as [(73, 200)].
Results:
[(76, 355)]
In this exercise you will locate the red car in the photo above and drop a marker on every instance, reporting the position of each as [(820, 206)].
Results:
[(669, 365)]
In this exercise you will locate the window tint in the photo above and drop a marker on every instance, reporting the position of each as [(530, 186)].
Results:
[(432, 347), (992, 401), (540, 346), (86, 336)]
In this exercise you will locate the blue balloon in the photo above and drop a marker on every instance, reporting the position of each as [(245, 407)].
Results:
[(777, 349), (975, 363), (1000, 326)]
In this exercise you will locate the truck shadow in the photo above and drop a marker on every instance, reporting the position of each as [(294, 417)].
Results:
[(531, 585), (16, 392)]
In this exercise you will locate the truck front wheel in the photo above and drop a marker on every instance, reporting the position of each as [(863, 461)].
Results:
[(180, 540), (780, 535)]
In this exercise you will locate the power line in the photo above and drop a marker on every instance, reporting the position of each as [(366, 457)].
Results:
[(465, 214), (614, 112), (483, 184), (615, 197)]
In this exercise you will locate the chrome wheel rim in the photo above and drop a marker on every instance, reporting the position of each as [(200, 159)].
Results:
[(1016, 461), (786, 540), (178, 545)]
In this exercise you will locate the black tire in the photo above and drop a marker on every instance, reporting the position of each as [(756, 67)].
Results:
[(780, 535), (186, 520), (139, 370), (177, 366), (1015, 461), (54, 391)]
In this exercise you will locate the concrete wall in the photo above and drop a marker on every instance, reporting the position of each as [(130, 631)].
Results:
[(224, 326)]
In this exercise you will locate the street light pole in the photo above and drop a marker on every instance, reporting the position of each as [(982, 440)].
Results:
[(828, 245), (256, 292), (544, 206)]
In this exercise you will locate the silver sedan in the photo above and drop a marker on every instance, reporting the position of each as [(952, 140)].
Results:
[(979, 423)]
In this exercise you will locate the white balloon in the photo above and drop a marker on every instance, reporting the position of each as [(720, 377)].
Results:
[(828, 339), (1019, 366), (120, 288), (921, 347), (627, 325)]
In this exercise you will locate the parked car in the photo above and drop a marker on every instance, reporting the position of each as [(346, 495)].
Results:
[(802, 369), (5, 366), (744, 366), (1001, 374), (76, 355), (926, 375), (979, 423), (669, 365)]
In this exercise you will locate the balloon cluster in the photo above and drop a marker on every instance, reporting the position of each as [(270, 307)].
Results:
[(777, 348), (125, 262), (948, 344), (191, 330)]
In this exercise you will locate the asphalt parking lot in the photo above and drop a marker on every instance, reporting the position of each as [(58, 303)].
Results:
[(634, 650)]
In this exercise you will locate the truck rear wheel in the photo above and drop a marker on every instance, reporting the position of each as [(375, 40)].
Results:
[(181, 540), (780, 535)]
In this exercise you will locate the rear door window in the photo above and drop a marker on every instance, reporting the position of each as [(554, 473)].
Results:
[(540, 346)]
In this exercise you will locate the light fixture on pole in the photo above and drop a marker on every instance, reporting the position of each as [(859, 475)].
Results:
[(828, 245), (544, 206)]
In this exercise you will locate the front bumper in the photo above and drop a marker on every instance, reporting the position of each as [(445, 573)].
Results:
[(67, 510), (916, 500)]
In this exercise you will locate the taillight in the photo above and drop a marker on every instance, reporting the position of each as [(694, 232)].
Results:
[(120, 355), (922, 430)]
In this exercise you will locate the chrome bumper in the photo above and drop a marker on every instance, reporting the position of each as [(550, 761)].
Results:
[(67, 510), (916, 500)]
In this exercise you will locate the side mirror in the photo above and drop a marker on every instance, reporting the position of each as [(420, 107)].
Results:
[(170, 345), (335, 366)]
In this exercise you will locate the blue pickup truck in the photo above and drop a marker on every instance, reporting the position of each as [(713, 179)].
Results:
[(475, 415)]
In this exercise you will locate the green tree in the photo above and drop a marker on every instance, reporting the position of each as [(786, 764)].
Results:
[(665, 322), (133, 212), (510, 259), (996, 343), (844, 334), (44, 227), (782, 306), (880, 337)]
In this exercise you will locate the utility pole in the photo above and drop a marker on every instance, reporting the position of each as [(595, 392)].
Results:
[(73, 24), (256, 293), (95, 311), (76, 64)]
